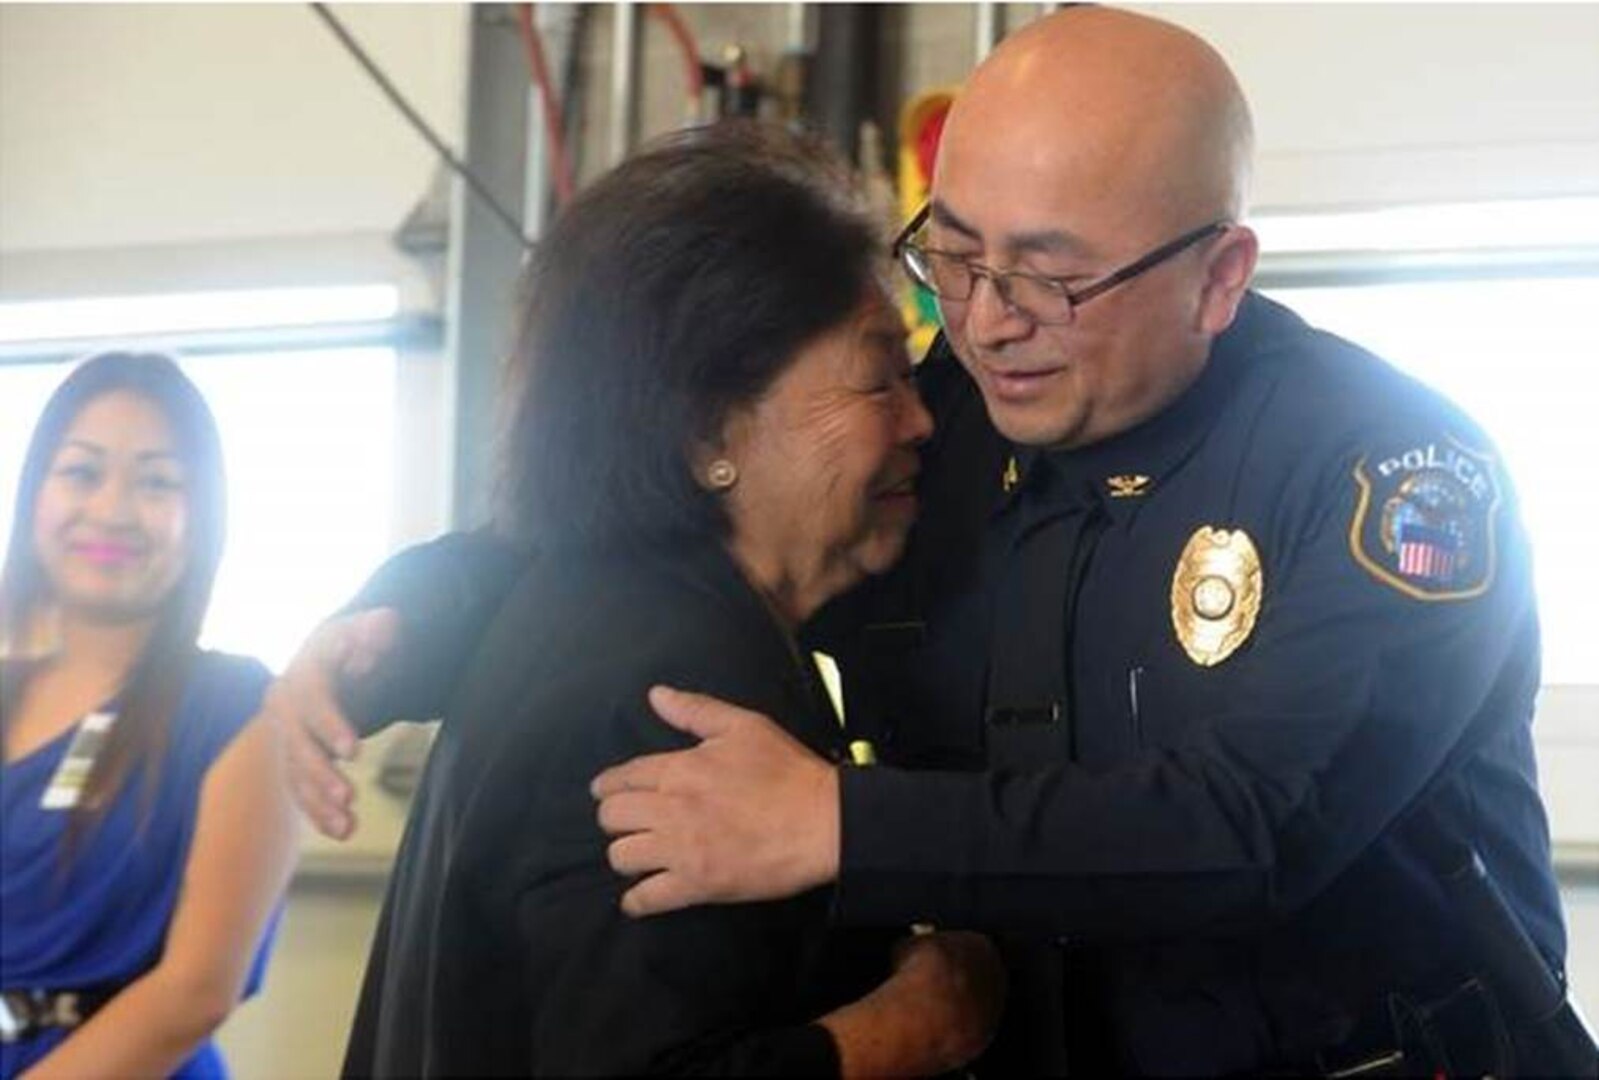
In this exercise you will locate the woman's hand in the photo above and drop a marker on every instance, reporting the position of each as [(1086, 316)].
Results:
[(936, 1012), (958, 973)]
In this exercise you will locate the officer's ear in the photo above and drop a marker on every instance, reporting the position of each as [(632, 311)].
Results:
[(1229, 266)]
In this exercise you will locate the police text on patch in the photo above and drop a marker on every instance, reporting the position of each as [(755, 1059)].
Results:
[(1444, 459)]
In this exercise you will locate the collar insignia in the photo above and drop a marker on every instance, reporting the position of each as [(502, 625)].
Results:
[(1127, 486)]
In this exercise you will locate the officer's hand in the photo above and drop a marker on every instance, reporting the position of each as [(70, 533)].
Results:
[(748, 814), (304, 703)]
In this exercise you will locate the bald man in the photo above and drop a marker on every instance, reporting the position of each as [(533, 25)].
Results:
[(1203, 608)]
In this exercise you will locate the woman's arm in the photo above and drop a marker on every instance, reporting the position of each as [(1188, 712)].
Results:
[(238, 865), (445, 593)]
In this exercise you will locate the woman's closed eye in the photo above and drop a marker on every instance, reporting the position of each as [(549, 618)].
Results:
[(889, 384)]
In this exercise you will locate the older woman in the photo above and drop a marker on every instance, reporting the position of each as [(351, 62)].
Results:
[(714, 431)]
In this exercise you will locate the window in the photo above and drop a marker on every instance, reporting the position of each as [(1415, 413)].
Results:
[(308, 436), (1508, 333)]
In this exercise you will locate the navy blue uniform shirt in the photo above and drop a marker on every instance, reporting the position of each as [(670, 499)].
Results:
[(1192, 768)]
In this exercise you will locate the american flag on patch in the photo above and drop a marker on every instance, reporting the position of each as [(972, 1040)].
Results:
[(1426, 552)]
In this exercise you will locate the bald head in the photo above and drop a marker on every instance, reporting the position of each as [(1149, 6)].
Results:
[(1087, 141), (1126, 109)]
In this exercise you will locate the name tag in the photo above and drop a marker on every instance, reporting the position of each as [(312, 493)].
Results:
[(66, 786)]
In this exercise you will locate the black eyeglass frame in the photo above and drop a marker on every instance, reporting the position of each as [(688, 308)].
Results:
[(1073, 298)]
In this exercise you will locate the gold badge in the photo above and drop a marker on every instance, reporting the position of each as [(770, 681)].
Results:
[(1215, 594), (1011, 477), (1127, 487)]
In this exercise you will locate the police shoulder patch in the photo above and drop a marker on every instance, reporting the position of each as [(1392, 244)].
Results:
[(1425, 518)]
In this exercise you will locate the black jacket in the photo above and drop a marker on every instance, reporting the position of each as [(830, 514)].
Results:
[(502, 949)]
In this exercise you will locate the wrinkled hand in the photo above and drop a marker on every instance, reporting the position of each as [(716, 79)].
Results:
[(936, 1012), (958, 977), (748, 814), (304, 702)]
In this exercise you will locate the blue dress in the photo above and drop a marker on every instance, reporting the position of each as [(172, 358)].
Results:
[(105, 922)]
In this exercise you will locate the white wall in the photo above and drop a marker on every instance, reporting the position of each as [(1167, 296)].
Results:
[(130, 126), (154, 124), (1374, 103)]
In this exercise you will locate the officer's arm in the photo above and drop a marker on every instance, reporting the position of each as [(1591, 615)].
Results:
[(445, 592), (1361, 684)]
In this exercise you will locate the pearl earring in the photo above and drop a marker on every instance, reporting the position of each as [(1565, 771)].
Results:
[(722, 474)]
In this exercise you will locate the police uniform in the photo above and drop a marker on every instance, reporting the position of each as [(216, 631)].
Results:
[(1207, 664)]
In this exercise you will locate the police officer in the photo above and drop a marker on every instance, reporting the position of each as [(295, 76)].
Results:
[(1202, 603), (1216, 598)]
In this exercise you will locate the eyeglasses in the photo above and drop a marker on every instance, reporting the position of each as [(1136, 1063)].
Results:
[(1044, 300)]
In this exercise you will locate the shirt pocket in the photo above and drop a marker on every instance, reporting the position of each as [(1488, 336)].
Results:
[(1168, 698)]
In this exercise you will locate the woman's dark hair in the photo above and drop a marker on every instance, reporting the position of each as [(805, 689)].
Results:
[(676, 288), (154, 685)]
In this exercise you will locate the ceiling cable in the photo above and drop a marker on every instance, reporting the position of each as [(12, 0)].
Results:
[(429, 136)]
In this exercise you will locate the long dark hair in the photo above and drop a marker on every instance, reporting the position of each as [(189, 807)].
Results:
[(153, 687), (676, 288)]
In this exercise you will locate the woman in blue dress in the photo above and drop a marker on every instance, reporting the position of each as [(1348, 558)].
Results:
[(146, 833)]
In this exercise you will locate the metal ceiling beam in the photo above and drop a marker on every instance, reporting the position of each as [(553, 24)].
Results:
[(485, 259)]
